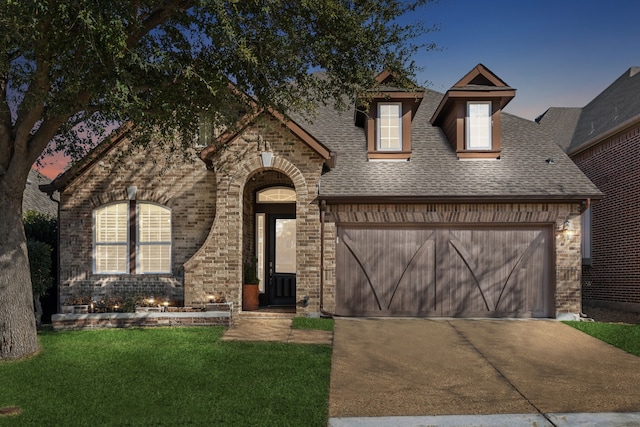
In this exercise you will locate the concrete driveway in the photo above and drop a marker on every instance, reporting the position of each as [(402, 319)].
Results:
[(540, 369)]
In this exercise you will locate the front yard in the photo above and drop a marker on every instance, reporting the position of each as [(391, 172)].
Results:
[(186, 376), (166, 376), (624, 336)]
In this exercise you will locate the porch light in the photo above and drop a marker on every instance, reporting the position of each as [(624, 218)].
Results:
[(568, 229), (267, 158), (131, 192)]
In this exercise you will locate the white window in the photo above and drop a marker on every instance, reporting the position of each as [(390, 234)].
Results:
[(389, 127), (154, 239), (111, 237), (478, 126), (113, 243)]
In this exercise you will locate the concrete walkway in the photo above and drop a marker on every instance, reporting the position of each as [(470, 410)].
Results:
[(258, 329), (410, 372)]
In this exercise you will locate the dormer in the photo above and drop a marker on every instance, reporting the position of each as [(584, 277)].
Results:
[(387, 117), (469, 114)]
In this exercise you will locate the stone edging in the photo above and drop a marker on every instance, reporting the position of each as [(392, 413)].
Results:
[(124, 320)]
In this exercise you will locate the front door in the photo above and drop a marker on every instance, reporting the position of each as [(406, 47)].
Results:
[(281, 265)]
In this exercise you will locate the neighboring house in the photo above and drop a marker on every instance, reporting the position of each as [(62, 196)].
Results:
[(603, 139), (421, 204), (34, 199)]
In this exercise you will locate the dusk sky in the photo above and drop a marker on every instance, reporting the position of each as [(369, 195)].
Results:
[(556, 53)]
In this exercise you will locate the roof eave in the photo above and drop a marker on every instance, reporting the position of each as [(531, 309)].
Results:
[(609, 133), (378, 199)]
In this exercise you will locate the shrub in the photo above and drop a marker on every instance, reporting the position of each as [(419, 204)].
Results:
[(41, 266)]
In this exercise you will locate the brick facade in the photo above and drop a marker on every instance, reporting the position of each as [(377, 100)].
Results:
[(614, 273), (217, 267), (184, 186), (213, 221)]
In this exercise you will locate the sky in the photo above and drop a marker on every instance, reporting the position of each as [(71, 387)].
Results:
[(555, 53)]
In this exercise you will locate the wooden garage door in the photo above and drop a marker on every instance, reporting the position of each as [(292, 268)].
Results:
[(462, 272)]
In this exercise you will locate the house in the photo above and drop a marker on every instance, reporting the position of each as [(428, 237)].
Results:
[(415, 204), (603, 139), (35, 200)]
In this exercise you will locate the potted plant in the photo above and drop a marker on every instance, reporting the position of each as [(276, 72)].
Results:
[(250, 290)]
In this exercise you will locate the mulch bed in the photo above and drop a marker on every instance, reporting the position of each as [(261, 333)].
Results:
[(607, 315)]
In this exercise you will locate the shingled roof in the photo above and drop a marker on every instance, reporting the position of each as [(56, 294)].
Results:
[(531, 166), (34, 199), (615, 108)]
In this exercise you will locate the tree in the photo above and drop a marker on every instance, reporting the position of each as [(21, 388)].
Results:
[(69, 70)]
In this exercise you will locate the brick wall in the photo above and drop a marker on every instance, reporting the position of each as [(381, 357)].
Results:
[(185, 186), (566, 249), (612, 165), (217, 267)]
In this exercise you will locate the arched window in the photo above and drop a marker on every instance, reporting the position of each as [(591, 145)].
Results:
[(276, 195), (122, 249)]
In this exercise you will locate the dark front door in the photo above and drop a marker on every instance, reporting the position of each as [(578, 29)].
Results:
[(281, 266)]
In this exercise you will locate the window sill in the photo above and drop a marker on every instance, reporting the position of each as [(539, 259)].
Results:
[(389, 155), (478, 154)]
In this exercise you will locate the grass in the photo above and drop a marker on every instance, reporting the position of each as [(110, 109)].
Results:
[(313, 323), (166, 376), (626, 337)]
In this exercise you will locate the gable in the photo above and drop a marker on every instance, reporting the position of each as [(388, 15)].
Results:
[(229, 137), (88, 161)]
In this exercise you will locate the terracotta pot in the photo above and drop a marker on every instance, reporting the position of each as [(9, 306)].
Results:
[(250, 292)]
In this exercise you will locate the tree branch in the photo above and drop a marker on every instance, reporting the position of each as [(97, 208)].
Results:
[(155, 18)]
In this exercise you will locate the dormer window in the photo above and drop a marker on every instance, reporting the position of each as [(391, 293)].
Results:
[(389, 126), (478, 125), (469, 114), (386, 118)]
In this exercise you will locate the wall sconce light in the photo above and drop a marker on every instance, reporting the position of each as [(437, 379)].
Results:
[(131, 192), (267, 158), (567, 228)]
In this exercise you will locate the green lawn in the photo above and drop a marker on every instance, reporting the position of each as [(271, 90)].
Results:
[(626, 337), (313, 323), (166, 376)]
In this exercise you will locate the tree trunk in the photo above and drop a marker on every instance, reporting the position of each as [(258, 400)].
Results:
[(18, 336)]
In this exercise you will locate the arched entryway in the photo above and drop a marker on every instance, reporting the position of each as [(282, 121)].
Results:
[(269, 236)]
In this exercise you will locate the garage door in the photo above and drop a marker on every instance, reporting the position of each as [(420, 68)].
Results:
[(459, 272)]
